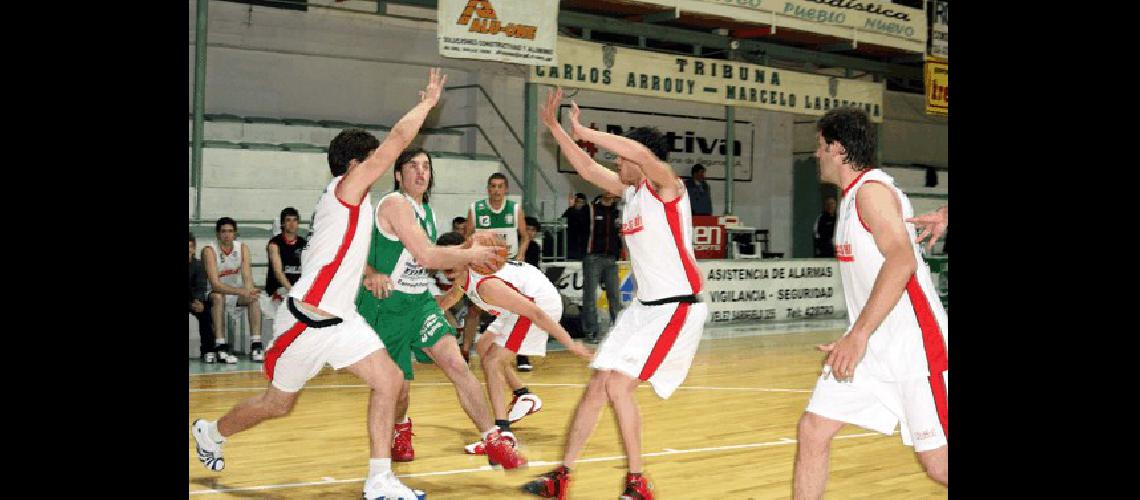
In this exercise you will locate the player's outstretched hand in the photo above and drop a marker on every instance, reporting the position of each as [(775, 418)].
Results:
[(576, 127), (843, 355), (549, 112), (379, 284), (436, 81), (933, 224)]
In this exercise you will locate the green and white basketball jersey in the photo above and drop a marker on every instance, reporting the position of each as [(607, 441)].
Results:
[(504, 222), (388, 255)]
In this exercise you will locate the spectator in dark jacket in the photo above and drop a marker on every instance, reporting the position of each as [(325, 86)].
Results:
[(825, 230), (600, 263), (199, 306), (700, 200), (577, 227)]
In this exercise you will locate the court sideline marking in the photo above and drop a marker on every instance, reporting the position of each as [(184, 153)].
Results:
[(668, 451)]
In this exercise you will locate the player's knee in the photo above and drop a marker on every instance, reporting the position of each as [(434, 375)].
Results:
[(814, 429), (597, 387), (619, 387), (217, 299)]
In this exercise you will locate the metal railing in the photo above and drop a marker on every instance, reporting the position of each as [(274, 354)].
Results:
[(513, 133)]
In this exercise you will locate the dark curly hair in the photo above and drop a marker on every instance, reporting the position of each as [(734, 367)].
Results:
[(852, 129), (350, 144), (449, 239), (651, 138)]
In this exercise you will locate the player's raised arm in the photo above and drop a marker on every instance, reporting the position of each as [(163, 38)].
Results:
[(585, 166), (658, 172), (358, 180)]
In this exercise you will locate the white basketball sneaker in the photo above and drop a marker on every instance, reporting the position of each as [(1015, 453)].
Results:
[(209, 451), (387, 486), (524, 405)]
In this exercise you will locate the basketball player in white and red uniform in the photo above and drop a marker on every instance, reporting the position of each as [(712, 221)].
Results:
[(890, 367), (229, 274), (655, 338), (319, 323), (527, 307)]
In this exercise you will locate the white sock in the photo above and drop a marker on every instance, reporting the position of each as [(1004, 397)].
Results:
[(378, 467), (255, 338), (212, 431), (488, 432), (404, 421)]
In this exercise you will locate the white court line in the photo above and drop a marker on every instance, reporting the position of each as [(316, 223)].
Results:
[(668, 451), (363, 386)]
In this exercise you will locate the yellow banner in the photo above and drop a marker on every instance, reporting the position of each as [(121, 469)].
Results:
[(937, 77), (608, 68)]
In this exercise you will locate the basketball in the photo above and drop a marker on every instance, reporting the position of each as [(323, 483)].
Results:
[(487, 238)]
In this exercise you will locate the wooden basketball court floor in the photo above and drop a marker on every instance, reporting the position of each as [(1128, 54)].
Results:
[(728, 432)]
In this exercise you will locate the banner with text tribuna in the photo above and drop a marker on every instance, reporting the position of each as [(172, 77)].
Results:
[(608, 68), (511, 31)]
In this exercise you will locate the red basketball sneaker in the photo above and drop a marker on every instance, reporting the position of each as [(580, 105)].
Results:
[(402, 450), (502, 451), (637, 488), (553, 484)]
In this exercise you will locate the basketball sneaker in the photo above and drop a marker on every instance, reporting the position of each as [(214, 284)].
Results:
[(257, 352), (224, 355), (387, 487), (402, 450), (209, 451), (523, 363), (553, 484), (476, 448), (524, 405), (502, 451), (209, 358), (637, 488)]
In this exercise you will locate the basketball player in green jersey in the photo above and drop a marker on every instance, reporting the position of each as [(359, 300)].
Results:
[(396, 301), (505, 218)]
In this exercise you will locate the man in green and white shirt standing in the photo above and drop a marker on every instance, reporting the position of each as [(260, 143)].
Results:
[(395, 300), (506, 218)]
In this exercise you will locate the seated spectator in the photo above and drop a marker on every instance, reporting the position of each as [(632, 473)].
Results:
[(459, 225), (200, 305), (284, 252), (231, 284)]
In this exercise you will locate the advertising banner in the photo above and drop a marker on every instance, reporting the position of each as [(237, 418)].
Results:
[(692, 139), (608, 68), (737, 291), (881, 23), (940, 29), (710, 239), (510, 31), (937, 77)]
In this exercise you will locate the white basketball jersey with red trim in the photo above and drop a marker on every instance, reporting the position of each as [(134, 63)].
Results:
[(229, 266), (896, 349), (659, 237), (333, 260), (524, 278)]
